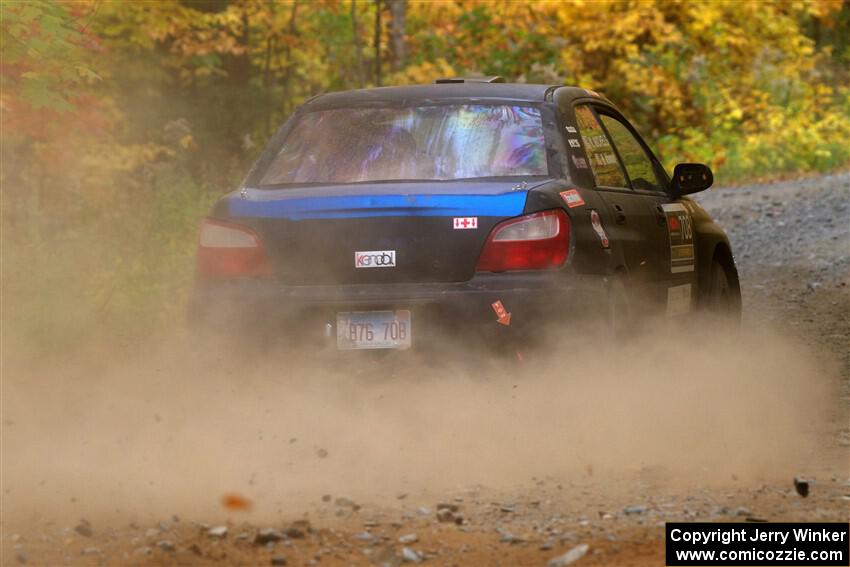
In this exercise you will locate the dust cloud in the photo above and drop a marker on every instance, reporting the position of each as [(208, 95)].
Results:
[(169, 427)]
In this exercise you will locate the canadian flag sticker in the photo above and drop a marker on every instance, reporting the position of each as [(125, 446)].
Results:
[(465, 223)]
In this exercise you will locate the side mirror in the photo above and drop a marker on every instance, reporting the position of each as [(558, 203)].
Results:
[(691, 178)]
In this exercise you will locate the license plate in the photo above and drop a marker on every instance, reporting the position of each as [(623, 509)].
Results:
[(373, 329)]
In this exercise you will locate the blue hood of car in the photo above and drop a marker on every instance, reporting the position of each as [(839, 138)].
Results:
[(412, 199)]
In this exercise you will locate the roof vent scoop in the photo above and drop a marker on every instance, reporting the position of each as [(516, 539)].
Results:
[(494, 79)]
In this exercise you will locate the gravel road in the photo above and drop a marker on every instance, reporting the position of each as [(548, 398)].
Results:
[(791, 240)]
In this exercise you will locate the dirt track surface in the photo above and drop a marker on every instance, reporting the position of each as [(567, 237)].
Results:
[(124, 459), (791, 242)]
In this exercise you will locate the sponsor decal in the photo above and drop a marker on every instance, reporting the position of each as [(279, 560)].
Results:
[(596, 223), (680, 234), (465, 223), (574, 143), (572, 198), (597, 141), (603, 159), (502, 315), (673, 223), (678, 300), (580, 162), (374, 259), (571, 129)]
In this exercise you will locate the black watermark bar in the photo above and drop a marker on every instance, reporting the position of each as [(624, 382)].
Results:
[(808, 544)]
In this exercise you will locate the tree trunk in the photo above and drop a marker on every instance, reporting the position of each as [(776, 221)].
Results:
[(377, 42), (267, 85), (238, 67), (398, 9), (358, 45), (287, 75)]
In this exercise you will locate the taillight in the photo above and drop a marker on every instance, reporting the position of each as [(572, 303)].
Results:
[(228, 250), (533, 242)]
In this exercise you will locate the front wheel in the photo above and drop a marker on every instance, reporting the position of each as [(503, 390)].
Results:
[(722, 299)]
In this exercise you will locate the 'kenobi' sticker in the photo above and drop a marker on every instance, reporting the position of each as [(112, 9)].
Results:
[(572, 198), (465, 223), (580, 162)]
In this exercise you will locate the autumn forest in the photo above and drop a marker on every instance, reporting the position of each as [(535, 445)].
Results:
[(123, 120)]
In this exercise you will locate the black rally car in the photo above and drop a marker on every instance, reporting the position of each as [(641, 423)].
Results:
[(379, 218)]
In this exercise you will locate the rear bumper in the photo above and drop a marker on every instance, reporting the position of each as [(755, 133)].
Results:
[(535, 301)]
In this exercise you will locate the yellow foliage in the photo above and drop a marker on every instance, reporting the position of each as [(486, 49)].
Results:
[(136, 114)]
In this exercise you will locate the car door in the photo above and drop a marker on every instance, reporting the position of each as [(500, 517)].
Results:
[(671, 235), (631, 220)]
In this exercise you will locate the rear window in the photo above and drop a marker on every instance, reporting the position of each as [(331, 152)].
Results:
[(440, 142)]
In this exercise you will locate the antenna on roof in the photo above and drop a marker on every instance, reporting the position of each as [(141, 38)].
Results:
[(494, 79)]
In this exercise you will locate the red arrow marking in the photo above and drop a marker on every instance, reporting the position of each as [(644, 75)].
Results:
[(503, 317)]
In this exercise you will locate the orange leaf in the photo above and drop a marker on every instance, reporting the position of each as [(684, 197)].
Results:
[(234, 501)]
